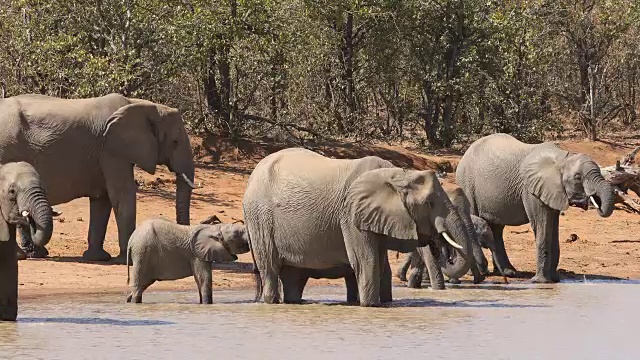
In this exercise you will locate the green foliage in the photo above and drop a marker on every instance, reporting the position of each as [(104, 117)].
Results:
[(435, 72)]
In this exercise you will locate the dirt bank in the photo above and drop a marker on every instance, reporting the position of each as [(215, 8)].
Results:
[(606, 248)]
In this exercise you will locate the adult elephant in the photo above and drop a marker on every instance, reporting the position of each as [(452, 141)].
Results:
[(88, 147), (306, 211), (23, 203), (512, 183)]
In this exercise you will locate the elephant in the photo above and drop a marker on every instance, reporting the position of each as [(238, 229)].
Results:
[(414, 262), (23, 203), (512, 183), (162, 250), (88, 147), (307, 211), (481, 230)]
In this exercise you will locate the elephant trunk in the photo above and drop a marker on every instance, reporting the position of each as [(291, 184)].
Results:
[(460, 260), (604, 196), (41, 215), (184, 182)]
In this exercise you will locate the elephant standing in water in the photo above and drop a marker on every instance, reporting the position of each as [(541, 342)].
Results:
[(88, 147), (337, 216), (512, 183), (23, 203)]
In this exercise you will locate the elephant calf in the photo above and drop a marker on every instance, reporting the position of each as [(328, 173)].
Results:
[(415, 262), (162, 250)]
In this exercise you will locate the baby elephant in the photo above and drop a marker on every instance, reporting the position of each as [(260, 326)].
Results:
[(162, 250)]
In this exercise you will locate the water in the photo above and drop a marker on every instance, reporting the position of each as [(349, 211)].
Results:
[(562, 321)]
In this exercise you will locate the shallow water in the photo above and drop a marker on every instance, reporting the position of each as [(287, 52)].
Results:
[(562, 321)]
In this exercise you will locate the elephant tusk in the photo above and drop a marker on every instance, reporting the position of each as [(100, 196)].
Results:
[(186, 179), (25, 213), (450, 241), (593, 201)]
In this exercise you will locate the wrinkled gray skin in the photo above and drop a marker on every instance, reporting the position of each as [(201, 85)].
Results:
[(414, 262), (306, 211), (162, 250), (88, 147), (511, 183), (21, 193)]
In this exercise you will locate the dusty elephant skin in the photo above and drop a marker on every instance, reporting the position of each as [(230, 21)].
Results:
[(22, 203), (162, 250), (305, 211), (511, 183), (88, 147)]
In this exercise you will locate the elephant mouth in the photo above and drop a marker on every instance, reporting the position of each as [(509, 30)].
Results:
[(584, 202)]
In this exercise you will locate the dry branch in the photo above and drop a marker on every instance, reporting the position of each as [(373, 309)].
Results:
[(624, 177)]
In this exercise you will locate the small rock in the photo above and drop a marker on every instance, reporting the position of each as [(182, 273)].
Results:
[(221, 211), (572, 238), (561, 213), (79, 219), (61, 219)]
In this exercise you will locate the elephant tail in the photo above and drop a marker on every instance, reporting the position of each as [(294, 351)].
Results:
[(128, 254)]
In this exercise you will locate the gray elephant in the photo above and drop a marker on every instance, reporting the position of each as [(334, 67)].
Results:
[(307, 211), (23, 203), (414, 262), (162, 250), (512, 183), (88, 147)]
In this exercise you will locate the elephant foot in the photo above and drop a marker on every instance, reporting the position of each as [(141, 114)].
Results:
[(401, 275), (540, 279), (96, 255), (36, 252), (478, 279), (454, 281), (510, 272), (21, 255), (119, 260)]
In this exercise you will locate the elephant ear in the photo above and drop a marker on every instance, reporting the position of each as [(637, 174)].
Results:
[(131, 135), (543, 178), (377, 204), (207, 245)]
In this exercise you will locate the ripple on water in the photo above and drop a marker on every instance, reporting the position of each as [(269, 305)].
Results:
[(569, 320)]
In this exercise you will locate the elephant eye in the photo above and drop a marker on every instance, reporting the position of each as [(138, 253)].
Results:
[(577, 177)]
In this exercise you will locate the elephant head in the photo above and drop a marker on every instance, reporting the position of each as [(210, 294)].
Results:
[(571, 179), (219, 243), (408, 206), (461, 203), (148, 134), (23, 202)]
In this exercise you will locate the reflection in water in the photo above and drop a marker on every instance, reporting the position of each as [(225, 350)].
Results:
[(575, 320)]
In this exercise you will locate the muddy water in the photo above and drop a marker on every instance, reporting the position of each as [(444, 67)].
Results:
[(564, 321)]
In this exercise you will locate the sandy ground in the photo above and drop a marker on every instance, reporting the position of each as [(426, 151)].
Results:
[(606, 248)]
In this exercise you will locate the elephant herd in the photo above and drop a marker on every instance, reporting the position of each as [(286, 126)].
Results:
[(306, 215)]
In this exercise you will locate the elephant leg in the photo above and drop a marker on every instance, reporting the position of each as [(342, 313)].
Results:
[(352, 288), (204, 280), (386, 295), (99, 213), (504, 265), (136, 294), (8, 280), (364, 257), (429, 259), (121, 188), (402, 271), (414, 280), (31, 250), (544, 223), (293, 283)]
